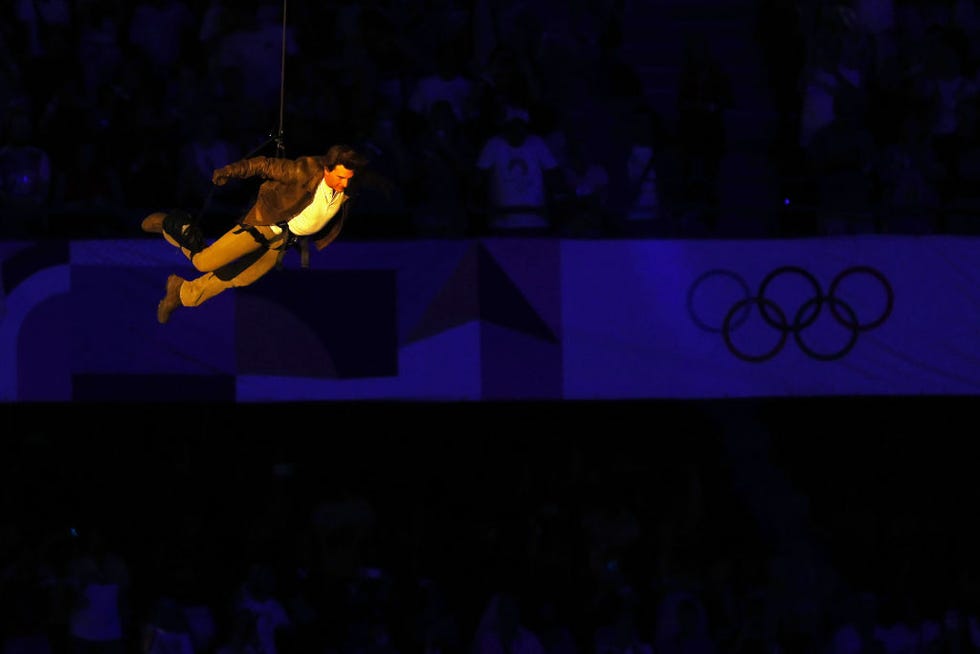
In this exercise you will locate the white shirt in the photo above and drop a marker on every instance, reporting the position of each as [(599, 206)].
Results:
[(326, 203), (517, 172), (517, 178)]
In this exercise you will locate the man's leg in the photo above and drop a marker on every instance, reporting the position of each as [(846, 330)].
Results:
[(229, 247), (180, 230), (217, 262), (201, 289), (192, 293)]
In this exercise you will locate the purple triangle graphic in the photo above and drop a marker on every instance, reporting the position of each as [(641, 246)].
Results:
[(479, 289)]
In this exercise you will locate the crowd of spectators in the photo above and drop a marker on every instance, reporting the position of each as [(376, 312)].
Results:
[(191, 541), (882, 106), (488, 117)]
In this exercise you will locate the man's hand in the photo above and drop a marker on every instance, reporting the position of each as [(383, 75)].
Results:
[(220, 176)]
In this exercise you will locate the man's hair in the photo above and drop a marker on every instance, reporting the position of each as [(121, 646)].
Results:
[(346, 156)]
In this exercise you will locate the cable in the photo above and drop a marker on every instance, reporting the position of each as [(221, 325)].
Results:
[(280, 149), (277, 137)]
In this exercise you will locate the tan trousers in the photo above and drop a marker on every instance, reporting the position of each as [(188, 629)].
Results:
[(229, 247)]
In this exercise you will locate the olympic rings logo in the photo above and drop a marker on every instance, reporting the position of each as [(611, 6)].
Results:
[(841, 305)]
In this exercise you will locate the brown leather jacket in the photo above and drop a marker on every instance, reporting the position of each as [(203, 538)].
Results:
[(288, 188)]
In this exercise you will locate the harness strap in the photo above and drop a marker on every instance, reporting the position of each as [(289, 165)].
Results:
[(304, 252), (233, 269), (300, 243), (255, 234), (288, 240)]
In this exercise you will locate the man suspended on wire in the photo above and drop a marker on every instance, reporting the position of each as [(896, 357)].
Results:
[(299, 199)]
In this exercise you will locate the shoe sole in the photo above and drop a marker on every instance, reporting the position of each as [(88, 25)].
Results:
[(153, 224)]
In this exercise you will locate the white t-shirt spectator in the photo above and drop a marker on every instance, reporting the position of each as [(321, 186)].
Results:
[(517, 180)]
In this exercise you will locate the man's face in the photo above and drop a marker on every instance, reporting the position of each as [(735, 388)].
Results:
[(338, 177)]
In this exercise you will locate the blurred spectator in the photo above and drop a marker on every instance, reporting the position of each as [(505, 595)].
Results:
[(449, 82), (621, 631), (507, 79), (99, 44), (376, 60), (819, 82), (566, 47), (344, 528), (898, 624), (89, 199), (88, 192), (843, 160), (246, 60), (25, 175), (483, 33), (959, 633), (876, 20), (720, 596), (240, 636), (43, 22), (553, 624), (206, 149), (639, 204), (704, 95), (581, 107), (25, 594), (44, 38), (445, 156), (67, 117), (855, 45), (10, 71), (258, 597), (621, 75), (142, 133), (161, 33), (502, 629), (692, 635), (841, 63), (757, 633), (434, 623), (217, 17), (947, 96), (909, 174), (583, 211), (855, 629), (778, 30), (612, 530), (100, 608), (391, 162), (165, 630), (520, 25), (892, 97), (314, 112), (369, 633), (186, 100), (446, 23), (177, 614), (961, 214), (518, 179), (799, 585)]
